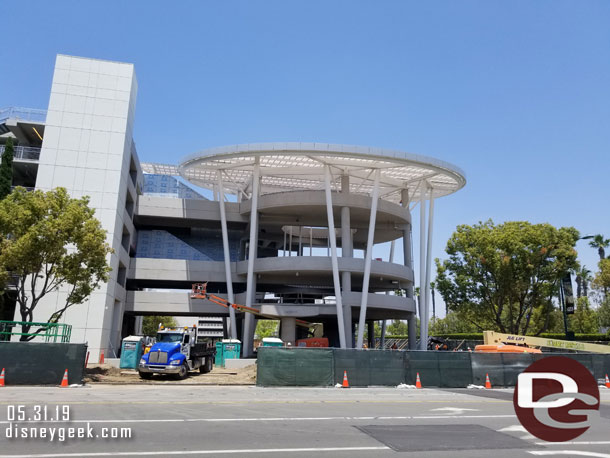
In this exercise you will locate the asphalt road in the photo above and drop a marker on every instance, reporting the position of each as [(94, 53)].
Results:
[(280, 422)]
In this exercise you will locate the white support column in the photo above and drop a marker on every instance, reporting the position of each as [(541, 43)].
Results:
[(384, 322), (249, 321), (288, 330), (347, 251), (300, 253), (227, 256), (412, 324), (367, 261), (429, 257), (422, 267), (408, 261), (310, 241), (335, 264)]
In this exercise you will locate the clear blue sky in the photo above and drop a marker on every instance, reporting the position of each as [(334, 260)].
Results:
[(516, 93)]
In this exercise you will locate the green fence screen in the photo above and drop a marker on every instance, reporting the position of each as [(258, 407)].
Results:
[(325, 367), (32, 363), (288, 367)]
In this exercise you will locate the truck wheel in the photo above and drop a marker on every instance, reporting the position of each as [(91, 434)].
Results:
[(184, 371), (145, 375), (206, 366)]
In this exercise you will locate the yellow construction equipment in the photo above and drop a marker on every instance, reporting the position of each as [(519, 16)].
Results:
[(496, 338)]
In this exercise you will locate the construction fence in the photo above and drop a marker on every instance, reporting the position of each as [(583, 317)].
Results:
[(325, 367), (33, 363)]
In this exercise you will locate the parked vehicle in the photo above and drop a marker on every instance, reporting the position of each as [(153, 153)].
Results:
[(177, 351)]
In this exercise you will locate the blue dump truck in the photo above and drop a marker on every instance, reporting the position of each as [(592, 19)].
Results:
[(177, 351)]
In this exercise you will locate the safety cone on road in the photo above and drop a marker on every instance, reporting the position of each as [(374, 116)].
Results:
[(345, 382), (2, 377), (607, 380), (487, 382), (102, 357), (64, 381), (417, 381)]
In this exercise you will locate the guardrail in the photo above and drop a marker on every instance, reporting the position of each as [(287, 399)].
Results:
[(23, 114), (25, 153), (50, 332)]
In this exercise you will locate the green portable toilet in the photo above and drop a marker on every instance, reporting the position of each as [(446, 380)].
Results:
[(131, 352), (272, 342), (219, 359), (227, 349)]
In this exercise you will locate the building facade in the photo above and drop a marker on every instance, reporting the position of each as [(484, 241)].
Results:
[(286, 228)]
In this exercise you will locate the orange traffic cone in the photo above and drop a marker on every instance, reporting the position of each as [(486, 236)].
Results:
[(417, 381), (64, 381), (2, 377), (487, 382), (345, 382), (102, 357), (607, 380)]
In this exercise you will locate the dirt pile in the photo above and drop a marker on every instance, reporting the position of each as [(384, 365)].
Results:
[(103, 373)]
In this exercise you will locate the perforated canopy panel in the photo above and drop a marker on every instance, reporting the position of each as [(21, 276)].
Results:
[(300, 166)]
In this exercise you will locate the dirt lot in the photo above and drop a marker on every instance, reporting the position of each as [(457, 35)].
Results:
[(104, 373)]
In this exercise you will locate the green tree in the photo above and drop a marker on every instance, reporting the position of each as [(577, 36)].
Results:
[(602, 277), (453, 323), (583, 278), (6, 169), (51, 241), (604, 315), (266, 328), (601, 244), (585, 319), (150, 324), (397, 328), (504, 277)]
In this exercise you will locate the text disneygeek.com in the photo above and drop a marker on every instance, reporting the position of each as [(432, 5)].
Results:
[(63, 433), (24, 422)]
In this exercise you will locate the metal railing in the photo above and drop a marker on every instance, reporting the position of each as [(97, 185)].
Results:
[(23, 114), (50, 332), (25, 153)]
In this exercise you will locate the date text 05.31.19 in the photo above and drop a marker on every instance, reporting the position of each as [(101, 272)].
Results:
[(38, 413)]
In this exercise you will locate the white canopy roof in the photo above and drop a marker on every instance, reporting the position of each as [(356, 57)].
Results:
[(300, 166)]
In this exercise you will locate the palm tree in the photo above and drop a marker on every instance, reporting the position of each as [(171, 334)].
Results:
[(583, 277), (601, 244)]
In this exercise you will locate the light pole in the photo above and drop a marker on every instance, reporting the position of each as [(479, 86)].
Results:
[(565, 286)]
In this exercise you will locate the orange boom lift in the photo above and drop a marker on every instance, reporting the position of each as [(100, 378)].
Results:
[(200, 292)]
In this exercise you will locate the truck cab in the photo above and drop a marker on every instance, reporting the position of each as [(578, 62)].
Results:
[(177, 352)]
